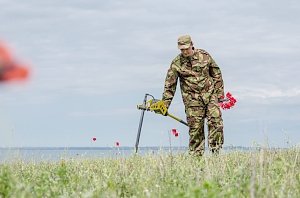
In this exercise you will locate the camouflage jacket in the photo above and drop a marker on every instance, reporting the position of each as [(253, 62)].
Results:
[(200, 77)]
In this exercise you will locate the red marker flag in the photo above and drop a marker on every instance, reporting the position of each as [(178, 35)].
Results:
[(175, 132), (10, 69)]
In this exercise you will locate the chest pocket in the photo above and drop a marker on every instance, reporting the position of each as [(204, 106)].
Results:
[(201, 68)]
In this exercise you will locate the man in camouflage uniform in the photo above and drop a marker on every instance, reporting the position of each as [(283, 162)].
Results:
[(201, 86)]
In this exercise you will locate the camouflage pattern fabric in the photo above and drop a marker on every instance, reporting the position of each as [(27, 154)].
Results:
[(195, 119), (201, 85)]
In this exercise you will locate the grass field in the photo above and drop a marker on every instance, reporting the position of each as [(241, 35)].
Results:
[(261, 173)]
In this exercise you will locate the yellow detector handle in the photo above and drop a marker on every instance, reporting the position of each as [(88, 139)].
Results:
[(159, 107)]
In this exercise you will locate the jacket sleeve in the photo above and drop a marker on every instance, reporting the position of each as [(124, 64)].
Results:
[(215, 73), (170, 85)]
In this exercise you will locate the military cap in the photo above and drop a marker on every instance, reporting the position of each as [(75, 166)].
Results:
[(184, 42)]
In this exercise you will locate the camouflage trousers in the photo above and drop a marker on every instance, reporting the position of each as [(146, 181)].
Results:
[(196, 115)]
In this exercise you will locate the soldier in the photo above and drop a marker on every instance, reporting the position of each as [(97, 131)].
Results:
[(201, 87)]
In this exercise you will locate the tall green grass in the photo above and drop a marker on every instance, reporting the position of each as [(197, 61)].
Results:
[(262, 173)]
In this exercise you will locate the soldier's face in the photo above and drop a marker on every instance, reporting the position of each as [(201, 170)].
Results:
[(187, 52)]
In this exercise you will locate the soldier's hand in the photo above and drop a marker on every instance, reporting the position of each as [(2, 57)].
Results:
[(220, 100)]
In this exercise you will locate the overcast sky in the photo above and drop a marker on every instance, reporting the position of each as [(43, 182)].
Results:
[(93, 61)]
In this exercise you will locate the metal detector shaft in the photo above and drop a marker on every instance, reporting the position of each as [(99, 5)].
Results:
[(178, 119), (140, 125)]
